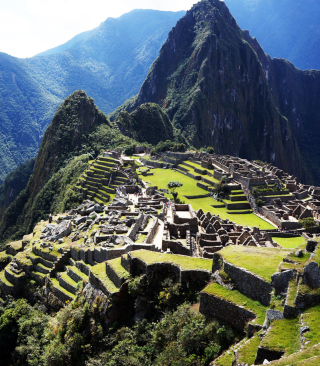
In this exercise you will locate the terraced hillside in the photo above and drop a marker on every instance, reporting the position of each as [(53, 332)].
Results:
[(100, 181)]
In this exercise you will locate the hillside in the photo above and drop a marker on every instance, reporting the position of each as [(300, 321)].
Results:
[(285, 29), (219, 87), (77, 134), (109, 63)]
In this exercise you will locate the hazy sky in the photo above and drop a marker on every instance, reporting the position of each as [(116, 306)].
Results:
[(28, 27)]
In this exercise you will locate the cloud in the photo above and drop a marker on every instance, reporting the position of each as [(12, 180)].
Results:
[(33, 26)]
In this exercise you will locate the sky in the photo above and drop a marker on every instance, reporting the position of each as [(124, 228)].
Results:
[(28, 27)]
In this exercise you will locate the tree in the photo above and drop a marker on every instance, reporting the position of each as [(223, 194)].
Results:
[(173, 186), (308, 222)]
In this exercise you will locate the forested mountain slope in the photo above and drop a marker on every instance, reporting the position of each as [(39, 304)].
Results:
[(109, 63)]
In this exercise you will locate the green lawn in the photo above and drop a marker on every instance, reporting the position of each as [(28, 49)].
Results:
[(185, 262), (283, 335), (239, 299), (162, 177), (290, 243), (252, 258)]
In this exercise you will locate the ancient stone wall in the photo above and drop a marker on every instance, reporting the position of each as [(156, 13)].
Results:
[(175, 247), (113, 275), (135, 228), (213, 306), (152, 232), (249, 284)]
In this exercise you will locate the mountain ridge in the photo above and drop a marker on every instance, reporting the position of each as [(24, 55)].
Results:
[(110, 66), (210, 80)]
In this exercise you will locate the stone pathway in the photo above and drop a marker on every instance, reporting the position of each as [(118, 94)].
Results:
[(157, 241)]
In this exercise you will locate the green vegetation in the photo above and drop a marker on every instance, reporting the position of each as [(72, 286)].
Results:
[(289, 243), (190, 188), (308, 222), (251, 258), (147, 123), (30, 98), (184, 262), (312, 317), (239, 299), (283, 335), (248, 352), (292, 292), (100, 271), (300, 358), (168, 145), (117, 267)]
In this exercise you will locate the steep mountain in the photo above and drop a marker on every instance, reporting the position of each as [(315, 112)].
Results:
[(14, 183), (147, 123), (212, 85), (285, 29), (77, 134), (109, 62)]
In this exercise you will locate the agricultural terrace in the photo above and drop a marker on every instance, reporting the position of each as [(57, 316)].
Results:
[(162, 177), (290, 243), (252, 258), (283, 335), (185, 262), (236, 297)]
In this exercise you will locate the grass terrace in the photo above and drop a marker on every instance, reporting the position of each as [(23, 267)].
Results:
[(251, 259), (226, 359), (115, 264), (248, 352), (290, 243), (185, 262), (300, 358), (312, 318), (100, 271), (283, 335), (160, 178), (292, 292), (239, 299)]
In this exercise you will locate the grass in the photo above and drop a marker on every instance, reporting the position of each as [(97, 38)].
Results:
[(292, 292), (299, 358), (100, 271), (283, 335), (161, 177), (16, 245), (312, 318), (117, 267), (141, 239), (244, 220), (185, 262), (190, 188), (252, 258), (226, 359), (290, 243), (239, 299), (4, 280), (79, 273), (248, 352), (56, 284)]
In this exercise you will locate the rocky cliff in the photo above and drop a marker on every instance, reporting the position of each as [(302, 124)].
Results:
[(210, 79)]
